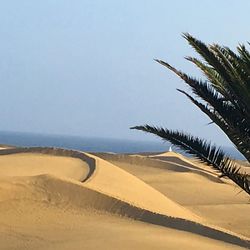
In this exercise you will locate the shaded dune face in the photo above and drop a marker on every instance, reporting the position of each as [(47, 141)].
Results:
[(78, 183)]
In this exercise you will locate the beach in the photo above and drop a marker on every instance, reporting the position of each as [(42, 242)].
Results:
[(64, 199)]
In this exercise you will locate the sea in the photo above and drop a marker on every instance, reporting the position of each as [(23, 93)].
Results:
[(92, 144)]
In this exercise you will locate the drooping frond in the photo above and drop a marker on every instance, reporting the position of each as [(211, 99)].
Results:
[(204, 151)]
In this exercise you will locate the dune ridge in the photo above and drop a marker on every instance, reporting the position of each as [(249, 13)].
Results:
[(54, 152), (109, 189), (163, 162)]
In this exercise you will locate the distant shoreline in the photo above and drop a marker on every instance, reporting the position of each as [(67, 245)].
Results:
[(89, 144)]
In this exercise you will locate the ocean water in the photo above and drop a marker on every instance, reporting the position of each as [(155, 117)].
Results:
[(88, 144)]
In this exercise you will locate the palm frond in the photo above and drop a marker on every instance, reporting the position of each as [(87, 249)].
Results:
[(223, 113), (204, 151), (226, 93), (224, 97)]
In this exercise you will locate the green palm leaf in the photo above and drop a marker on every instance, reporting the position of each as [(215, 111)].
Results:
[(204, 151), (226, 93)]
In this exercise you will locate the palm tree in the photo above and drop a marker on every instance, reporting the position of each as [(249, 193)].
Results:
[(225, 98)]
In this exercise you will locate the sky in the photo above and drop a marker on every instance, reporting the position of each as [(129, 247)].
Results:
[(86, 68)]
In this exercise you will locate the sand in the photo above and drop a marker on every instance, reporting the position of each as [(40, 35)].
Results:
[(109, 201), (31, 164)]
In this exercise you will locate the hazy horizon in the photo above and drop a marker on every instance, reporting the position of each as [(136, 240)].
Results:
[(85, 68), (95, 144)]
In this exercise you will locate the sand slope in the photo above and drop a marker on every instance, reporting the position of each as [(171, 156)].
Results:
[(194, 186), (42, 208)]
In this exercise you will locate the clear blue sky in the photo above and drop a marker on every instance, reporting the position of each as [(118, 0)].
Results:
[(86, 67)]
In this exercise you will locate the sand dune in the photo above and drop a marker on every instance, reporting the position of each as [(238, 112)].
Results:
[(82, 201), (28, 164), (219, 201)]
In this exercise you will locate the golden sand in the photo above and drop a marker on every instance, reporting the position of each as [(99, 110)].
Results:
[(129, 202)]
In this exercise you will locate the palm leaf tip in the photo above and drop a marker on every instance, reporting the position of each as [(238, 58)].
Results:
[(137, 127), (186, 35), (133, 127), (165, 64)]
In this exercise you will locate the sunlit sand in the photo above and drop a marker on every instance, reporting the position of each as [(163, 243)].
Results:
[(109, 201)]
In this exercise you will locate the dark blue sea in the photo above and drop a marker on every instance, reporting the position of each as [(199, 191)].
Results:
[(88, 144)]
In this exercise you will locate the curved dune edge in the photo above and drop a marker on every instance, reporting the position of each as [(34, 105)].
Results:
[(101, 192), (55, 152)]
